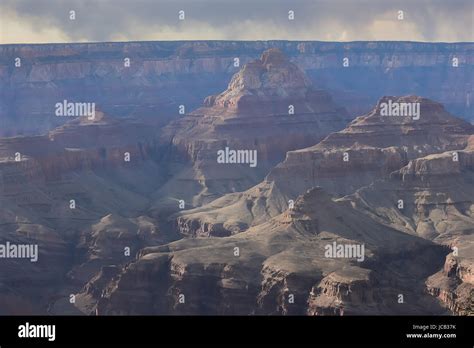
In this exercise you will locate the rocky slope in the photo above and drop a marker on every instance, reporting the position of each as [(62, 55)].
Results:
[(433, 197), (269, 108), (369, 148), (279, 267), (57, 191)]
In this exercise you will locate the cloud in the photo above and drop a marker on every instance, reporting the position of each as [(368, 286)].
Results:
[(35, 21)]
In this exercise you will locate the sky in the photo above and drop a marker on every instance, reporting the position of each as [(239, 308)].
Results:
[(49, 21)]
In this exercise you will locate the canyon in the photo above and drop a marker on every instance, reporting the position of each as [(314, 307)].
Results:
[(133, 213)]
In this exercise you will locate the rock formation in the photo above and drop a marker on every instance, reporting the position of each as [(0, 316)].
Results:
[(164, 75), (371, 147), (269, 107), (255, 258), (279, 267), (373, 218), (433, 197), (55, 192)]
